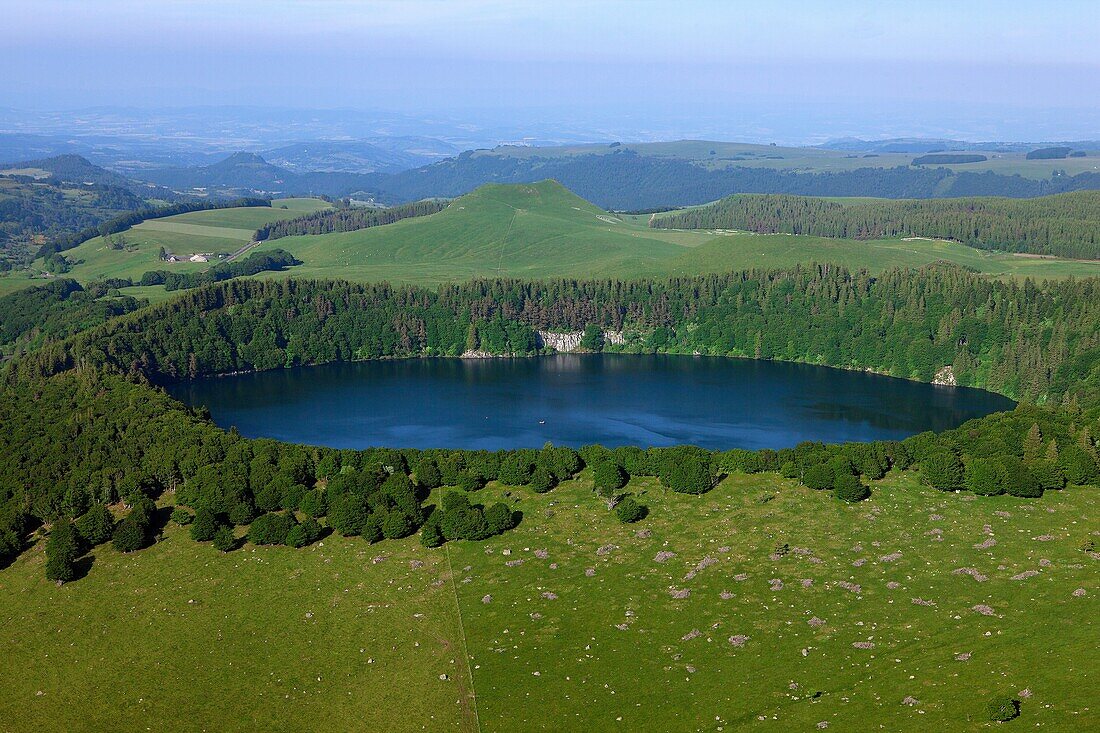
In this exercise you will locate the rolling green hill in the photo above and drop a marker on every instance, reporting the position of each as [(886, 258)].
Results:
[(544, 230), (531, 231)]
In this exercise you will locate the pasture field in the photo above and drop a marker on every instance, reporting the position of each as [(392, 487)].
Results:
[(770, 607), (219, 231)]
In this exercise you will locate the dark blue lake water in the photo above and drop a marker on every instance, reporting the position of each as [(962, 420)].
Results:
[(612, 399)]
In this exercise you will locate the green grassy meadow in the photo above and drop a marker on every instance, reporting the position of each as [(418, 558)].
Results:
[(570, 621)]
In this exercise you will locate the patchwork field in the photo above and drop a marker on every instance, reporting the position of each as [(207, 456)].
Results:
[(759, 606), (219, 231)]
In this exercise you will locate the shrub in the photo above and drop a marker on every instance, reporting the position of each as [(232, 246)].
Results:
[(849, 488), (304, 534), (348, 514), (313, 504), (499, 517), (428, 474), (469, 481), (1048, 474), (691, 475), (396, 525), (182, 517), (204, 527), (608, 477), (430, 534), (1019, 481), (243, 512), (270, 529), (1079, 467), (224, 538), (516, 469), (372, 527), (131, 533), (628, 510), (97, 525), (542, 480), (62, 550), (943, 471), (1002, 708), (818, 477), (983, 476)]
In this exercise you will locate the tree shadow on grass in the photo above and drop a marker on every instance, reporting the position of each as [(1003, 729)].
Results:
[(82, 567)]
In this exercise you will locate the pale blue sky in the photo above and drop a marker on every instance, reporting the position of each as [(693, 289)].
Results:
[(986, 63)]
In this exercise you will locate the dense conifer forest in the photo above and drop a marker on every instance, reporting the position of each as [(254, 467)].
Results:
[(346, 219), (1066, 225)]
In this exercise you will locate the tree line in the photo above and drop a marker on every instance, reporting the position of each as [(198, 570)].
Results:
[(1065, 225), (346, 219), (84, 425)]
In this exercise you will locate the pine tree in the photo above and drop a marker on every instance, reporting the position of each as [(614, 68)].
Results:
[(62, 550), (1033, 443), (97, 525)]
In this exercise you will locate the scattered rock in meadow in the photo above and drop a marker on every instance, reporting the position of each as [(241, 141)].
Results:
[(1024, 693), (741, 576), (514, 563), (853, 587), (724, 549), (923, 602), (589, 572), (725, 595), (891, 557), (663, 556), (1044, 538), (910, 700), (893, 585), (807, 582), (693, 634), (486, 598), (1079, 593), (606, 550), (1025, 575), (550, 595), (377, 559), (542, 554), (738, 640), (859, 563), (864, 644), (776, 584), (1044, 563), (623, 626), (983, 609), (816, 622), (706, 562), (972, 572), (935, 517), (985, 544), (1000, 513), (415, 564), (643, 533), (680, 594), (964, 656)]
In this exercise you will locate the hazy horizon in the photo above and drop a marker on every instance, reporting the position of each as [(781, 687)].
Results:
[(790, 72)]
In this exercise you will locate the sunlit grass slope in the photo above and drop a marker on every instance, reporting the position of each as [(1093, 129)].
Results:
[(573, 622)]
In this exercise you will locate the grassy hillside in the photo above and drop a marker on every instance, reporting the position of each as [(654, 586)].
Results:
[(543, 230), (216, 231), (532, 231), (569, 621)]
